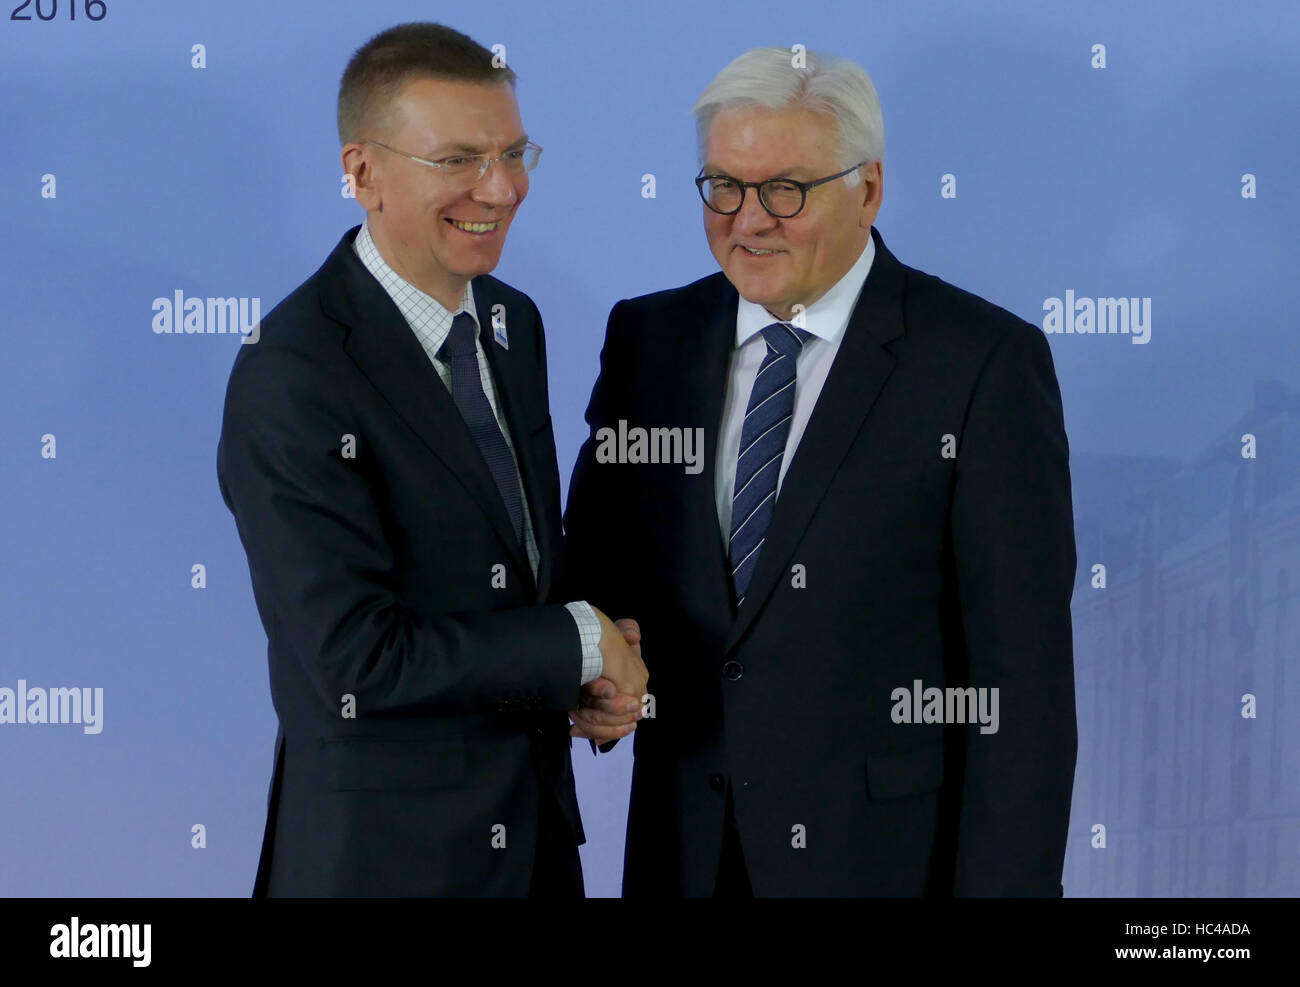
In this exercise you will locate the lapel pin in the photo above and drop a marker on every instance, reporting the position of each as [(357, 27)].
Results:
[(499, 326)]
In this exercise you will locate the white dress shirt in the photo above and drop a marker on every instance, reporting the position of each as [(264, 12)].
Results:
[(431, 322), (826, 319)]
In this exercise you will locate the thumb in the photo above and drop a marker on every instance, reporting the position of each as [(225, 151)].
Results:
[(630, 628)]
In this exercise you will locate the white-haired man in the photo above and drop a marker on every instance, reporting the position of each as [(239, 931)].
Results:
[(856, 617)]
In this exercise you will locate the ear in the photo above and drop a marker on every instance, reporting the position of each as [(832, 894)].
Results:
[(356, 162), (873, 191)]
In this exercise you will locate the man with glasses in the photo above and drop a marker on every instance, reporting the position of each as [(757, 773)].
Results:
[(883, 517), (387, 453)]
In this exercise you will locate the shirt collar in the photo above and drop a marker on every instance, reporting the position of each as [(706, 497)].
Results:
[(826, 318), (416, 306)]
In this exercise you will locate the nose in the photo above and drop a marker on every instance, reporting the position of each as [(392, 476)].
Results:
[(752, 217), (496, 187)]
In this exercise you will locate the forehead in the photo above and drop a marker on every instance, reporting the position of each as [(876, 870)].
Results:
[(435, 111), (757, 141)]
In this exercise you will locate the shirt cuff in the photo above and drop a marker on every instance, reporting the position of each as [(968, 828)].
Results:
[(589, 633)]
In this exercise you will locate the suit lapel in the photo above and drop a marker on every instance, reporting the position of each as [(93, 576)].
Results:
[(383, 347), (859, 372), (707, 589)]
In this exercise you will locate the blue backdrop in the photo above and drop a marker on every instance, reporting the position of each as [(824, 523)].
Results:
[(1103, 149)]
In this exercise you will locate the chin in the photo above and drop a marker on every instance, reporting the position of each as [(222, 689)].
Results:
[(756, 290), (474, 266)]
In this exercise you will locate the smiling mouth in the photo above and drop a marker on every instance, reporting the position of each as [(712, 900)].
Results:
[(474, 227), (757, 253)]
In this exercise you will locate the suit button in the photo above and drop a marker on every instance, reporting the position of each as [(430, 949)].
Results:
[(733, 670), (717, 782)]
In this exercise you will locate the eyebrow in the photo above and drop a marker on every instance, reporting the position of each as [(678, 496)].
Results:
[(474, 148), (784, 173)]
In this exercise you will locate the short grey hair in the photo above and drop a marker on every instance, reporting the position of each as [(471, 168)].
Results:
[(768, 78)]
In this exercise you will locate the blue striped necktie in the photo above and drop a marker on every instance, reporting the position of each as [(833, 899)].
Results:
[(762, 444), (467, 392)]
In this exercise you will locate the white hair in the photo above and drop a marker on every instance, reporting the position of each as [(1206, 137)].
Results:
[(769, 78)]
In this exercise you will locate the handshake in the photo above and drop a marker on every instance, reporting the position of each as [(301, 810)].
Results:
[(610, 705)]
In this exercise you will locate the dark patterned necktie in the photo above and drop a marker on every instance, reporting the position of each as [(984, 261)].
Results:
[(467, 392)]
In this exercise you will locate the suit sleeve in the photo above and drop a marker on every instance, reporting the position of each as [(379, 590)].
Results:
[(322, 566), (583, 616), (1013, 542)]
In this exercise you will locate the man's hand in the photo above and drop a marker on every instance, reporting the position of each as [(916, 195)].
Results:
[(620, 647), (605, 713)]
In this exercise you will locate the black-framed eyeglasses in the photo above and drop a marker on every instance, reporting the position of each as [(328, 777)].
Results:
[(782, 197)]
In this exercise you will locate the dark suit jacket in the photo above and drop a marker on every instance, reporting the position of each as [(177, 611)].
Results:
[(373, 576), (951, 571)]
